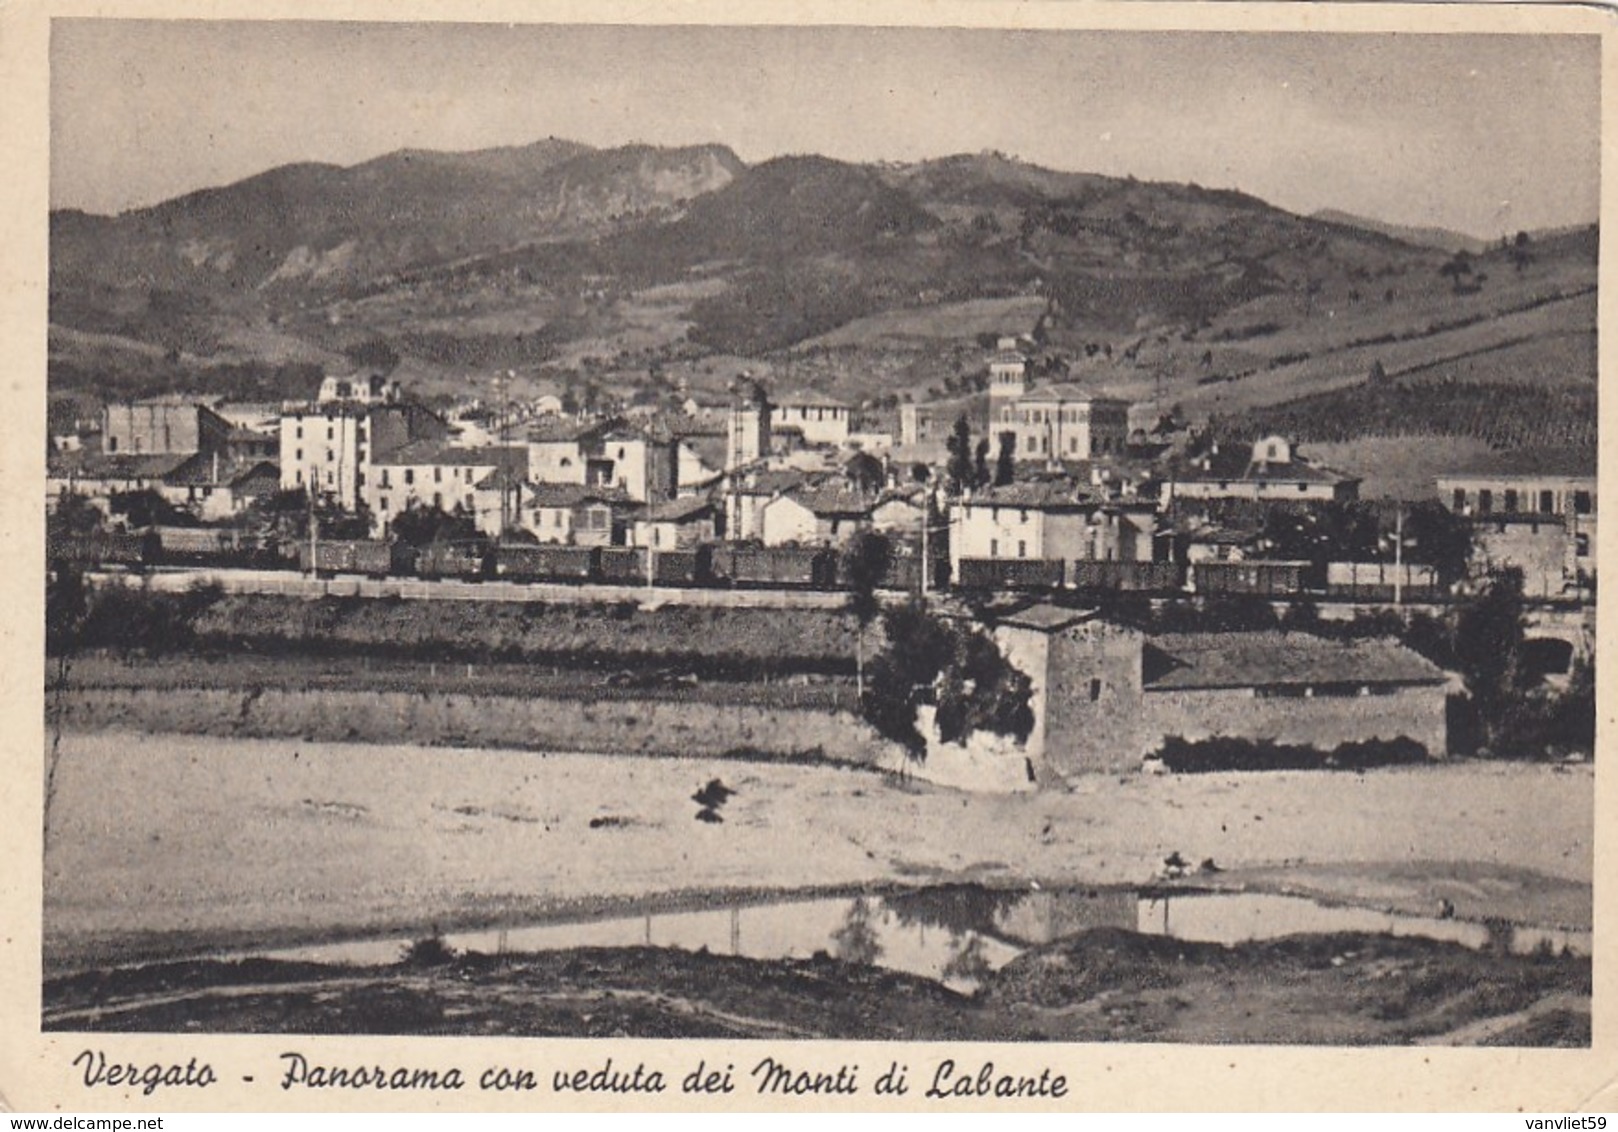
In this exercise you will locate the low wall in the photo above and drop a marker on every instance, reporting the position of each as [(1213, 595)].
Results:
[(1323, 722), (642, 727)]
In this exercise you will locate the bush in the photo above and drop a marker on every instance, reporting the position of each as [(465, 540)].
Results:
[(1222, 753)]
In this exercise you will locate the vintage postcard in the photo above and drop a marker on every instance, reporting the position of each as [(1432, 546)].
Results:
[(960, 556)]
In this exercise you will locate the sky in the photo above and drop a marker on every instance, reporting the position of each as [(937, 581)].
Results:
[(1485, 134)]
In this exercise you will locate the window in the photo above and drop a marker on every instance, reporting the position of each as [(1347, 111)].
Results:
[(300, 454), (300, 432), (330, 456), (1095, 689), (1583, 503), (410, 476), (470, 506), (1270, 452), (1458, 501), (438, 475), (1022, 516), (385, 482), (469, 475), (994, 548), (382, 504), (1022, 548), (1485, 501), (438, 500), (1581, 545), (1547, 503), (1303, 487), (1511, 501), (300, 476), (329, 433), (112, 444)]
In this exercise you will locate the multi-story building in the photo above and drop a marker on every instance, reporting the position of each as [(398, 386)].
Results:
[(1058, 521), (431, 473), (160, 426), (640, 462), (819, 418), (1541, 521), (328, 447)]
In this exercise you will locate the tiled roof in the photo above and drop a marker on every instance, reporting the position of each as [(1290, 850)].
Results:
[(807, 397), (678, 510), (421, 452), (574, 494), (1275, 659), (1047, 618), (833, 500), (1036, 495), (120, 466), (543, 429)]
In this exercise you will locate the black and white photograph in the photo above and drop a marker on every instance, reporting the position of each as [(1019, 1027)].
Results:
[(806, 532)]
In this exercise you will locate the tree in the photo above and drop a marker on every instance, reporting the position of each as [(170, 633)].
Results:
[(959, 446), (66, 606), (1005, 464), (980, 470), (1436, 536), (422, 525), (74, 515), (960, 670), (865, 564), (1489, 635)]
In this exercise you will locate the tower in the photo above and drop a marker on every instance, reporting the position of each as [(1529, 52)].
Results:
[(748, 428)]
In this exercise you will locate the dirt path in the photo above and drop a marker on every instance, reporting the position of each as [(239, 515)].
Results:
[(160, 843)]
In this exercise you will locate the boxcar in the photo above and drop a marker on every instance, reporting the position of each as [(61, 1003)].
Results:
[(526, 562), (681, 567), (1127, 577), (101, 549), (215, 546), (372, 557), (1264, 579), (466, 560), (1010, 573), (779, 567), (624, 565)]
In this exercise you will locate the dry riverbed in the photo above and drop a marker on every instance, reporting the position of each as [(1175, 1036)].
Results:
[(168, 845)]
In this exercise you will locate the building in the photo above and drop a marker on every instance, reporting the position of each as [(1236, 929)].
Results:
[(98, 477), (328, 447), (818, 418), (1271, 471), (642, 462), (1533, 511), (1105, 695), (214, 488), (162, 426), (433, 473), (828, 515), (577, 514), (925, 428), (1062, 423), (358, 389), (675, 524), (1056, 520)]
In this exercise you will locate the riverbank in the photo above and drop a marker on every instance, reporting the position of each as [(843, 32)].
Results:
[(171, 845)]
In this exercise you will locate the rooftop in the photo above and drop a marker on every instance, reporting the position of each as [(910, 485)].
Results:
[(1274, 659)]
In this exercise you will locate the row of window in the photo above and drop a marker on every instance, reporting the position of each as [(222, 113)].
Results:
[(1511, 502)]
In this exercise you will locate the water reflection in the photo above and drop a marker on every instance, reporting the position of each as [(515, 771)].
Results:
[(958, 934)]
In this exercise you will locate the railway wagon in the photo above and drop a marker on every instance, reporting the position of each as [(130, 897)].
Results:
[(1010, 573), (467, 561), (624, 565), (1375, 581), (1262, 578), (528, 562), (682, 567), (215, 546), (93, 551), (790, 567), (1127, 577), (372, 557)]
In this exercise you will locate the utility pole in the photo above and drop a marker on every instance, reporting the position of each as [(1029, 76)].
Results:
[(1398, 554)]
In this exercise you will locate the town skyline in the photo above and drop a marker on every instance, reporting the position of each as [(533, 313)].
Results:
[(1482, 135)]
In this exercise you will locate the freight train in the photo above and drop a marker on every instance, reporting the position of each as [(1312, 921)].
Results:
[(737, 566)]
